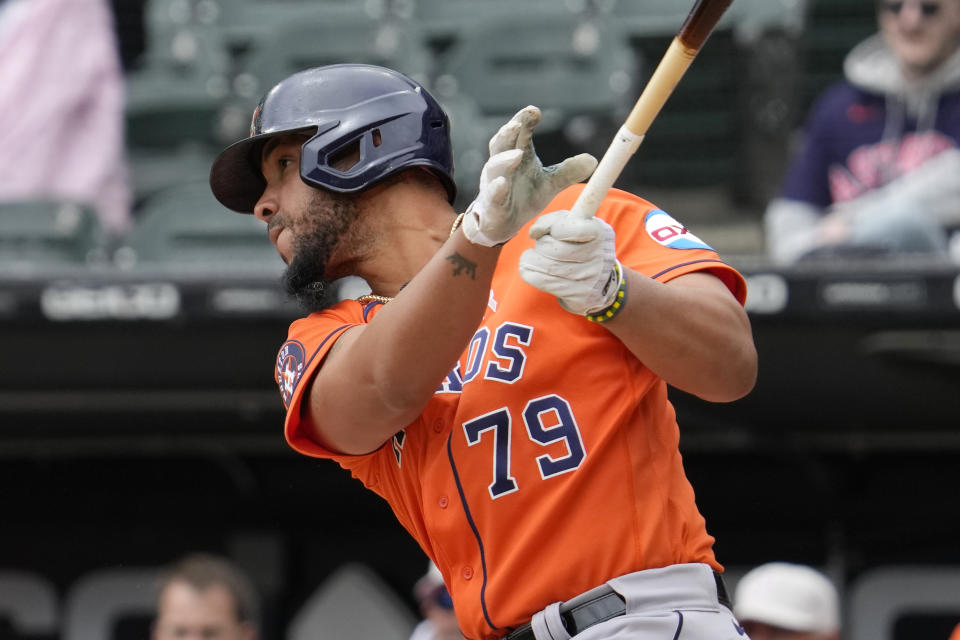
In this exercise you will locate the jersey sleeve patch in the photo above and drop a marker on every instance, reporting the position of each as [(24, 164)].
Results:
[(669, 233), (290, 365)]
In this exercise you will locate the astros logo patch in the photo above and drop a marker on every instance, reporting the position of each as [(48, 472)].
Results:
[(664, 229), (289, 369)]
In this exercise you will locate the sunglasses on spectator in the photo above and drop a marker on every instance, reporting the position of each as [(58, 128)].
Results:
[(927, 9)]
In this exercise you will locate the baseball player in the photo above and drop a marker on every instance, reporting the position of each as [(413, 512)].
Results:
[(504, 386)]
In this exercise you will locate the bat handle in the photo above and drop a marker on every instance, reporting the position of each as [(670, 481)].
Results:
[(624, 145)]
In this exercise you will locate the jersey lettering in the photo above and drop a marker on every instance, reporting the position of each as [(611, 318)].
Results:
[(506, 362), (554, 411), (475, 353), (547, 420), (503, 351), (453, 383), (499, 423)]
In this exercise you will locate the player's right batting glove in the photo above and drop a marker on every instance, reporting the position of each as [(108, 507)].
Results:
[(574, 258), (514, 184)]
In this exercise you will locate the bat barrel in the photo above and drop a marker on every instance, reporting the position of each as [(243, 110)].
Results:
[(701, 21)]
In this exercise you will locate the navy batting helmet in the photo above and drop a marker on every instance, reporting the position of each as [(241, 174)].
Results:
[(389, 118)]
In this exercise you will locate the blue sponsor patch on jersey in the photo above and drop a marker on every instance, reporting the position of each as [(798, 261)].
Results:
[(668, 232), (290, 361)]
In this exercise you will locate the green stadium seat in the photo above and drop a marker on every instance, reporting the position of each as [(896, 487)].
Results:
[(272, 44), (153, 170), (444, 21), (164, 111), (579, 72), (181, 83), (184, 228), (650, 18), (178, 94), (563, 64), (749, 18), (40, 234)]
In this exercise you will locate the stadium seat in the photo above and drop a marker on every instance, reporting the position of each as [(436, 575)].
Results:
[(184, 228), (153, 170), (650, 18), (444, 21), (177, 95), (164, 111), (749, 18), (567, 66), (181, 81), (40, 234), (269, 45)]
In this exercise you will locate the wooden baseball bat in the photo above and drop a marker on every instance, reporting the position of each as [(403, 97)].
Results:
[(701, 21)]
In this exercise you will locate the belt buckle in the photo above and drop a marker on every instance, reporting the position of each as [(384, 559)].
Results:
[(604, 607)]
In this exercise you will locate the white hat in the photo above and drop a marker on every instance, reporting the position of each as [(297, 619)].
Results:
[(789, 596)]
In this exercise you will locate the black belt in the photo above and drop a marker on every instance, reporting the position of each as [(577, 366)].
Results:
[(600, 609)]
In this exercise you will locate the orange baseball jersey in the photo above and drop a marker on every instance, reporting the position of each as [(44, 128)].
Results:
[(547, 461)]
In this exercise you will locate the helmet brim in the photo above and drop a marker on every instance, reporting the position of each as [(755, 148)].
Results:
[(234, 179)]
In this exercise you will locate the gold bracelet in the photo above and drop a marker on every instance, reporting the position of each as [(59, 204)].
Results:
[(456, 224)]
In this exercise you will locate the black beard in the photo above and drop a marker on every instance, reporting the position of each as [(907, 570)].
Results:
[(306, 278)]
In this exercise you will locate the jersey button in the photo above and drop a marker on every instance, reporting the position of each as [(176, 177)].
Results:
[(437, 425), (443, 502), (467, 573)]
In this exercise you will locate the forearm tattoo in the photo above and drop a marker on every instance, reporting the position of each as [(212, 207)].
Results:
[(463, 266)]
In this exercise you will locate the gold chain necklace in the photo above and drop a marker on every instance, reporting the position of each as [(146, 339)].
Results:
[(372, 297)]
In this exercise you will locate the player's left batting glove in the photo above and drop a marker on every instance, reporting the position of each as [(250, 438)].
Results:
[(574, 258), (514, 184)]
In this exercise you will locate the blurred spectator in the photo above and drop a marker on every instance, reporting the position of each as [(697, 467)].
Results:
[(877, 172), (780, 600), (439, 621), (62, 106), (205, 597)]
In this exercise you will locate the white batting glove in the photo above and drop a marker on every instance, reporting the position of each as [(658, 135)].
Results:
[(514, 184), (575, 259)]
